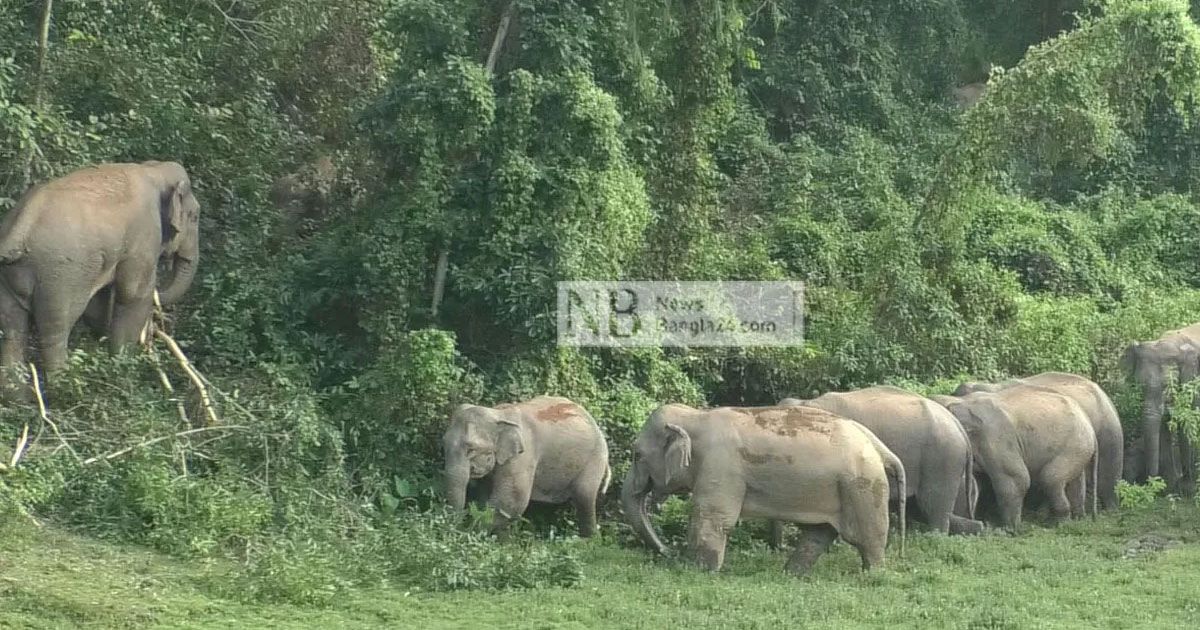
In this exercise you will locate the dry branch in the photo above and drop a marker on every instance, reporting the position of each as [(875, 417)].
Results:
[(195, 377), (129, 449), (21, 444), (37, 392)]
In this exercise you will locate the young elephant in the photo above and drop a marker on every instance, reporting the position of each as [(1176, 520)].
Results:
[(1023, 435), (547, 449), (928, 440), (794, 464), (1101, 413)]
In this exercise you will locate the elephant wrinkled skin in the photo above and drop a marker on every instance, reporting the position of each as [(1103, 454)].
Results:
[(1151, 363), (1101, 413), (546, 449), (929, 441), (1024, 435), (100, 227), (796, 464)]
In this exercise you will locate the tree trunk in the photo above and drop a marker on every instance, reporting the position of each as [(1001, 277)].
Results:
[(443, 261), (38, 87)]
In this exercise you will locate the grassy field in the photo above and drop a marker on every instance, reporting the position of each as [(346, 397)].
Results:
[(1078, 576)]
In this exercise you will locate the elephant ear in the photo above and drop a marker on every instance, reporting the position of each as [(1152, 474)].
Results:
[(679, 452), (1129, 358), (173, 220), (509, 442)]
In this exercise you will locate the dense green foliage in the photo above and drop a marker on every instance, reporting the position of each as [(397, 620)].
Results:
[(1043, 228)]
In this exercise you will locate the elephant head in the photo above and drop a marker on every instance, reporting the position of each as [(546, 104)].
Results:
[(1151, 363), (180, 215), (478, 440), (662, 456)]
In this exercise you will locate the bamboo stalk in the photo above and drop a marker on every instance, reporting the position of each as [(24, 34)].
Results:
[(37, 392), (129, 449)]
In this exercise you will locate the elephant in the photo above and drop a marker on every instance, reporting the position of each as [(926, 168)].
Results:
[(929, 441), (797, 464), (1149, 363), (1023, 435), (1101, 413), (107, 225), (547, 449)]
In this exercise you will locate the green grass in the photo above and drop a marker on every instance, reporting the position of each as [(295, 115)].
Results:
[(1072, 577)]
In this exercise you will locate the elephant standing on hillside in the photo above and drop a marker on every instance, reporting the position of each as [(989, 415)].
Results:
[(1024, 435), (1150, 363), (797, 464), (1110, 439), (101, 226), (929, 441), (546, 449)]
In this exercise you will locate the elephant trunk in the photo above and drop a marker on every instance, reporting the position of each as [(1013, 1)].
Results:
[(1152, 412), (457, 474), (183, 271), (635, 494)]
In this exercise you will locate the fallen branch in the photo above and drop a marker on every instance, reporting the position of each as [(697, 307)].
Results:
[(115, 454), (193, 375), (37, 392), (21, 444)]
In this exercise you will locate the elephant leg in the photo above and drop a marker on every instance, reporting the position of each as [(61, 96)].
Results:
[(585, 511), (14, 321), (1054, 481), (1078, 496), (1187, 464), (1168, 467), (1009, 497), (708, 531), (775, 534), (964, 526), (128, 320), (936, 505), (815, 540), (54, 315), (509, 498)]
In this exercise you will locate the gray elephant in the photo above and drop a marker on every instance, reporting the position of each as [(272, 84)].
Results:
[(1101, 413), (1150, 363), (1024, 435), (102, 226), (546, 449), (795, 464), (927, 438)]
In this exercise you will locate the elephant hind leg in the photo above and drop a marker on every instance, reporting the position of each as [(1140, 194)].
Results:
[(1078, 496), (585, 510), (815, 540), (14, 321), (1054, 480)]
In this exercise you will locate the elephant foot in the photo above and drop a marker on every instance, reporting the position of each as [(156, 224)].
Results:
[(816, 541), (960, 526)]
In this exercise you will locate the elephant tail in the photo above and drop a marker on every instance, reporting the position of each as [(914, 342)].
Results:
[(1095, 488), (972, 485), (895, 469), (606, 481)]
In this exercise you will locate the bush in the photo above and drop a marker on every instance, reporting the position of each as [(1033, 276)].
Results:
[(1140, 497)]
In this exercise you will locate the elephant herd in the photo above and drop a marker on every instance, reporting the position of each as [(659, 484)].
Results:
[(88, 245), (835, 465)]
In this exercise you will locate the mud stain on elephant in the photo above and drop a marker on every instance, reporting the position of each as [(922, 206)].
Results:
[(876, 487), (557, 413), (750, 457), (791, 421)]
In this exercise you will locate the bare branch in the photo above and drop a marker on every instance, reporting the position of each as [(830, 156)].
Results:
[(115, 454), (37, 391), (20, 450)]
